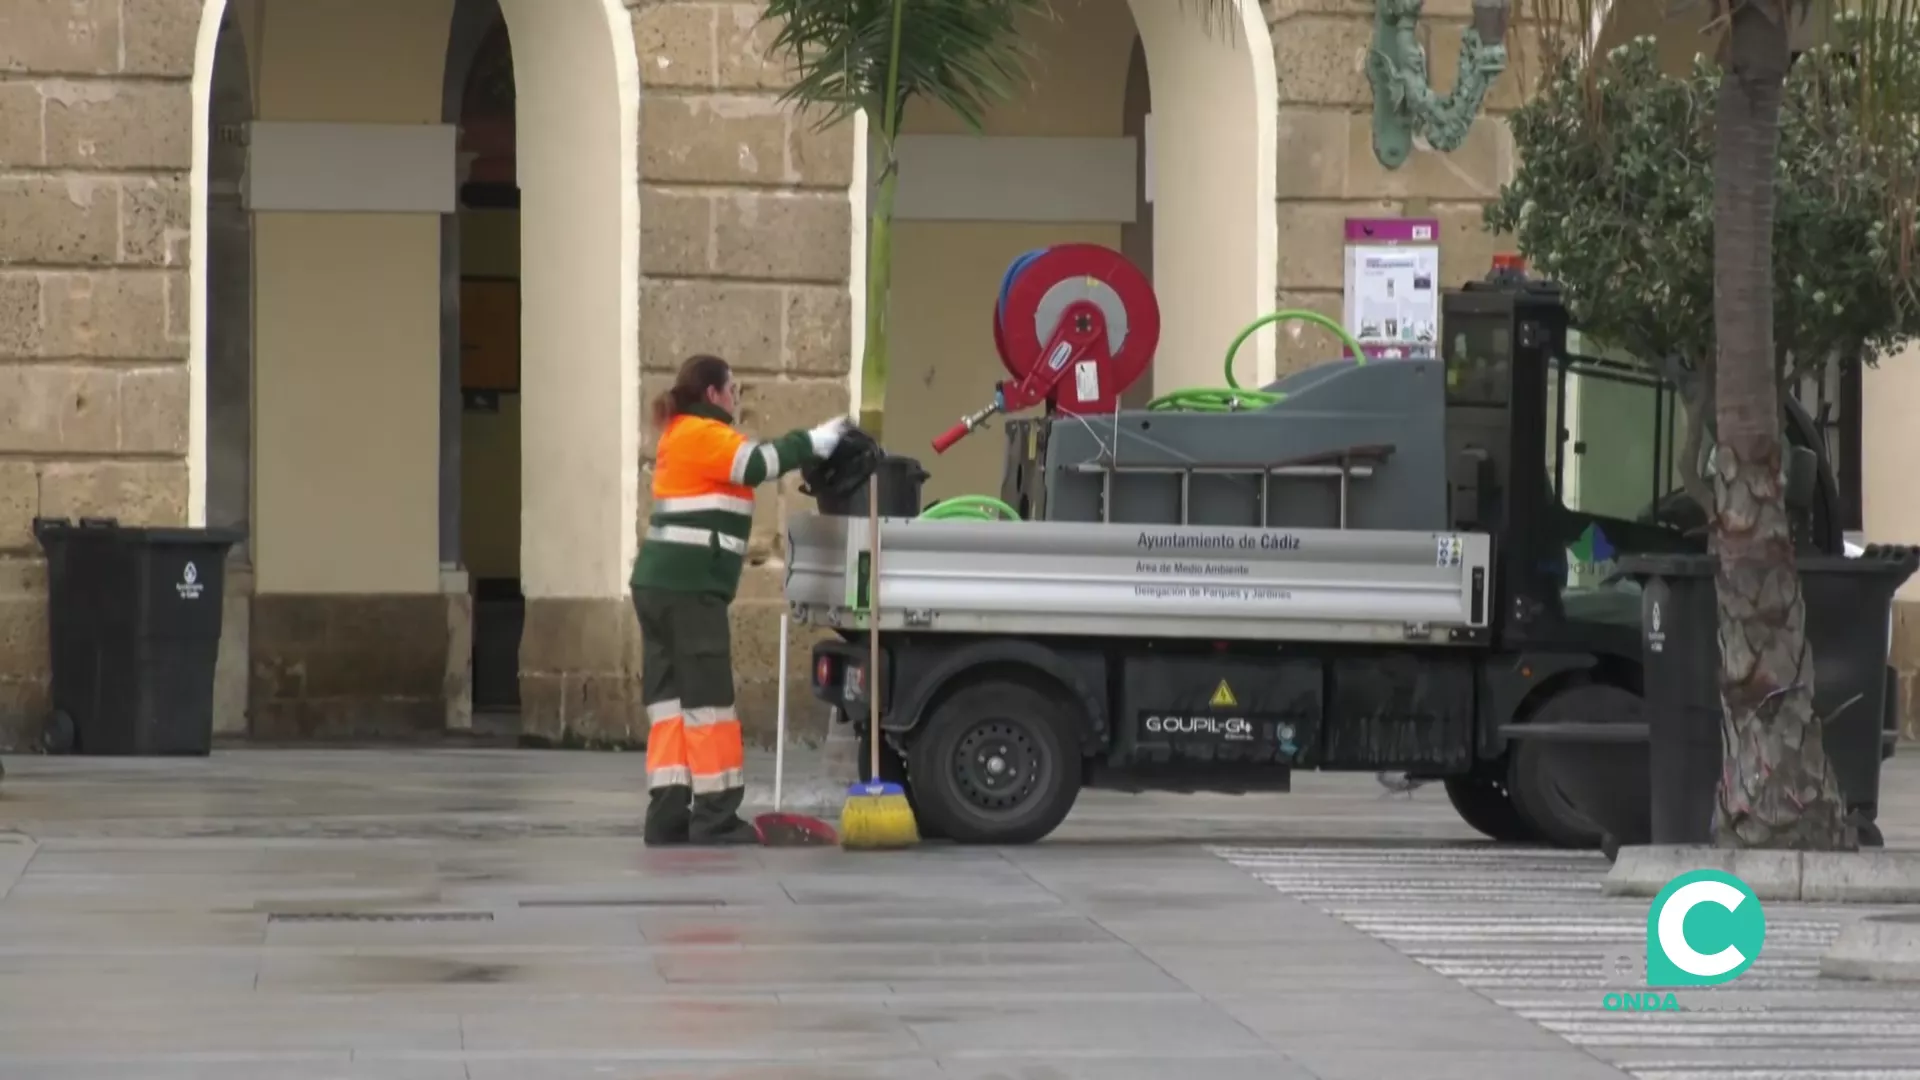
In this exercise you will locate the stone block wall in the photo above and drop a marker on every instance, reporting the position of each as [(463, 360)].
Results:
[(1327, 171), (745, 213), (745, 252), (95, 145)]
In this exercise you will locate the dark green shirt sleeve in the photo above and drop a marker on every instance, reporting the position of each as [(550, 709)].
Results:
[(774, 458)]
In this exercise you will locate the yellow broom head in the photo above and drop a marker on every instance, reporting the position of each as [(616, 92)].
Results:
[(877, 817)]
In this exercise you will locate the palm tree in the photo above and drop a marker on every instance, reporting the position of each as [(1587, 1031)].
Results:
[(1776, 787), (875, 57)]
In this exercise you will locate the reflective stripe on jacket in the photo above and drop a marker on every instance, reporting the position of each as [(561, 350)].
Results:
[(704, 473)]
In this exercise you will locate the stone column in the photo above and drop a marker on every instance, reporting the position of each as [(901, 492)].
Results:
[(580, 378), (579, 675), (95, 128)]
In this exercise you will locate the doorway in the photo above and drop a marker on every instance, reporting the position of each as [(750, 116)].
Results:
[(488, 225)]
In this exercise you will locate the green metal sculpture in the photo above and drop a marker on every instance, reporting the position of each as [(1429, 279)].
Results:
[(1404, 104)]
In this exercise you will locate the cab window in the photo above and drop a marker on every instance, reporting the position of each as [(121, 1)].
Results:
[(1613, 440)]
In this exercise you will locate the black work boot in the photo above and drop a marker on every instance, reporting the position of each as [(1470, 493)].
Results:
[(716, 819), (668, 815)]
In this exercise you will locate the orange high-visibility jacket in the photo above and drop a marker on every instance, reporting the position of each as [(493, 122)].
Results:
[(704, 473)]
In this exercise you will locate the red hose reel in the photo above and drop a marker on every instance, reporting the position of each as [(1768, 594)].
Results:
[(1075, 325)]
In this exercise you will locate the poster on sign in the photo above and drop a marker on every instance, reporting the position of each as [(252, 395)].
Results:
[(1393, 287)]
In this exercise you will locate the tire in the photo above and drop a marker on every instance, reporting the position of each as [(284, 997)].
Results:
[(1488, 808), (1540, 804), (995, 764)]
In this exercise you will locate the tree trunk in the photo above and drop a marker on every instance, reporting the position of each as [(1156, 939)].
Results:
[(1776, 788), (1697, 397)]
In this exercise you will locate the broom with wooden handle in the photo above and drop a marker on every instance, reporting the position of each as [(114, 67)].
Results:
[(877, 815)]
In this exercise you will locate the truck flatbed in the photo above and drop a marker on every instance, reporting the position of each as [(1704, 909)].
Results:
[(1093, 579)]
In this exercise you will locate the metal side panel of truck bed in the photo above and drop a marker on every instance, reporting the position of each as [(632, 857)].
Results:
[(1117, 580)]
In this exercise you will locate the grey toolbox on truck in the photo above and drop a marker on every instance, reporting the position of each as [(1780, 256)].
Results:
[(1351, 446)]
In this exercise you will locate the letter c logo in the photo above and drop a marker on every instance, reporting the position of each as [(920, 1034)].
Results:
[(1738, 927), (1673, 928)]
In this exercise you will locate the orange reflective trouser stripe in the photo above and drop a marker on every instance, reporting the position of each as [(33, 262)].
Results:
[(715, 753), (667, 761)]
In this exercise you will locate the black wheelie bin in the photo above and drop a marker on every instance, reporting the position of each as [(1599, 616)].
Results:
[(134, 620)]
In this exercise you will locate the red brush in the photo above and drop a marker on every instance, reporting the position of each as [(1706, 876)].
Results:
[(779, 829)]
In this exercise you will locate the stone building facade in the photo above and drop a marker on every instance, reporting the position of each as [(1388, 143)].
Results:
[(747, 221)]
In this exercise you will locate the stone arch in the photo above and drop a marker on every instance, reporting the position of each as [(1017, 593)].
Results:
[(228, 377), (578, 110), (474, 26), (572, 52)]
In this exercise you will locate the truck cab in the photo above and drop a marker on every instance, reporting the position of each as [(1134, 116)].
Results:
[(1574, 454)]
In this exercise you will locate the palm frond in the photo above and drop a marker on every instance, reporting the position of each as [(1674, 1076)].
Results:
[(961, 54), (1218, 17)]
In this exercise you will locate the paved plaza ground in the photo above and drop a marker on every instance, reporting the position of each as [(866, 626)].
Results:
[(440, 914)]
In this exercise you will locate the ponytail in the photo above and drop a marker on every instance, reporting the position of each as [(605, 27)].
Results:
[(697, 376)]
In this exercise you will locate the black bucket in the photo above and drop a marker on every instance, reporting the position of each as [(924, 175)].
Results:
[(901, 479)]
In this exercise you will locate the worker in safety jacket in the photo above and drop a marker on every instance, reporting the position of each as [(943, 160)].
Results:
[(704, 473)]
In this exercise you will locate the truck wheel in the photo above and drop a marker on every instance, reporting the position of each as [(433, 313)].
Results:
[(1488, 808), (1549, 815), (994, 765)]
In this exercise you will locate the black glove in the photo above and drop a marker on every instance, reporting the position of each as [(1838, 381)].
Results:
[(840, 474)]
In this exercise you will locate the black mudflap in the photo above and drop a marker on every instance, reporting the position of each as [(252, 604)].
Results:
[(1408, 709), (1216, 723)]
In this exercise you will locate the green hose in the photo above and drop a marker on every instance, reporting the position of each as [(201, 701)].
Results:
[(1232, 397), (970, 508)]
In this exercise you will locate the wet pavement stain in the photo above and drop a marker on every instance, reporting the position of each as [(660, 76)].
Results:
[(424, 971)]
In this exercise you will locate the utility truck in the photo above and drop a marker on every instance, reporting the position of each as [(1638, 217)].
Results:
[(1385, 565)]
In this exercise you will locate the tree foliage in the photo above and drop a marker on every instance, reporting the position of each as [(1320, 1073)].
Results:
[(1613, 198)]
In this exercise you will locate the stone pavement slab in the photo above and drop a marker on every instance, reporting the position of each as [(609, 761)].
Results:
[(410, 915), (1531, 933)]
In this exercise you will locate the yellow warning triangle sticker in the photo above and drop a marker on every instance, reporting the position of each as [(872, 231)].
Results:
[(1223, 697)]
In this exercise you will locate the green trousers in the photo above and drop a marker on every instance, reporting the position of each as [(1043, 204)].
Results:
[(696, 763)]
